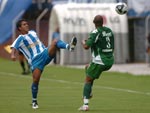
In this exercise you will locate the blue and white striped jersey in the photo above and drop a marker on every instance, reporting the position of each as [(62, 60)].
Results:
[(29, 44)]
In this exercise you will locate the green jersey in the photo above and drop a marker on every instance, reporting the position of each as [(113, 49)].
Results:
[(101, 41)]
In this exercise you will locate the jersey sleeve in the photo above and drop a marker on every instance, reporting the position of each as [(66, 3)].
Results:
[(16, 43), (91, 39)]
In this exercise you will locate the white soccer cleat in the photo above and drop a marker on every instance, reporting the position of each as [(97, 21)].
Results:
[(84, 108), (35, 105), (72, 44)]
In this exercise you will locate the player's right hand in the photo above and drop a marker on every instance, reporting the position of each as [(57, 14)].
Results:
[(13, 57)]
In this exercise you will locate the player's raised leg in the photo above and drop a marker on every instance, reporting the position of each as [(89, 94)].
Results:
[(62, 45), (71, 46)]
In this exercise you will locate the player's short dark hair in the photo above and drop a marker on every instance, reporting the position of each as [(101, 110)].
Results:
[(18, 24), (98, 20)]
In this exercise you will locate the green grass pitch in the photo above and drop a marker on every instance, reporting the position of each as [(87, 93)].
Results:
[(60, 91)]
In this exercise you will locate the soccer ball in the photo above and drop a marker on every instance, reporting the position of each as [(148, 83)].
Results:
[(121, 8)]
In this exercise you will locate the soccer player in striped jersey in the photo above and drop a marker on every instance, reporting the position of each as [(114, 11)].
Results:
[(36, 53), (101, 42)]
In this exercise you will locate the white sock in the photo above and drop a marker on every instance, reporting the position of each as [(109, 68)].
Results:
[(67, 45), (86, 101)]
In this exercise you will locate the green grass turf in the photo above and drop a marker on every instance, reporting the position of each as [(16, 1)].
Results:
[(60, 91)]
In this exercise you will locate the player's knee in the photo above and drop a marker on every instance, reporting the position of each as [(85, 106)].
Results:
[(88, 79), (36, 81), (54, 42)]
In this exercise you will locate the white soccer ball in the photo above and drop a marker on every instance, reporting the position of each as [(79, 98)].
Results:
[(121, 8)]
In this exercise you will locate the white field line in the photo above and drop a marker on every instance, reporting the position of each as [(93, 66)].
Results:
[(78, 83)]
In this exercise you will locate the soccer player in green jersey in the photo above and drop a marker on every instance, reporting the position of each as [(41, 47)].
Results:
[(101, 42)]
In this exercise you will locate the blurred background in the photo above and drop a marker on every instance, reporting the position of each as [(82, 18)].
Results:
[(131, 46)]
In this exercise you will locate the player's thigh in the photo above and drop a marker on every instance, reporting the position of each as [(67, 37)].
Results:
[(53, 48)]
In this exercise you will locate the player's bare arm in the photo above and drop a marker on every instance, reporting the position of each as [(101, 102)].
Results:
[(13, 54), (84, 44)]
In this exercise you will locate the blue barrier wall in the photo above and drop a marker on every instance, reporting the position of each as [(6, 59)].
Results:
[(9, 9)]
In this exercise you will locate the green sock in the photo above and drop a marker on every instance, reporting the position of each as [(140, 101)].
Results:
[(87, 90)]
